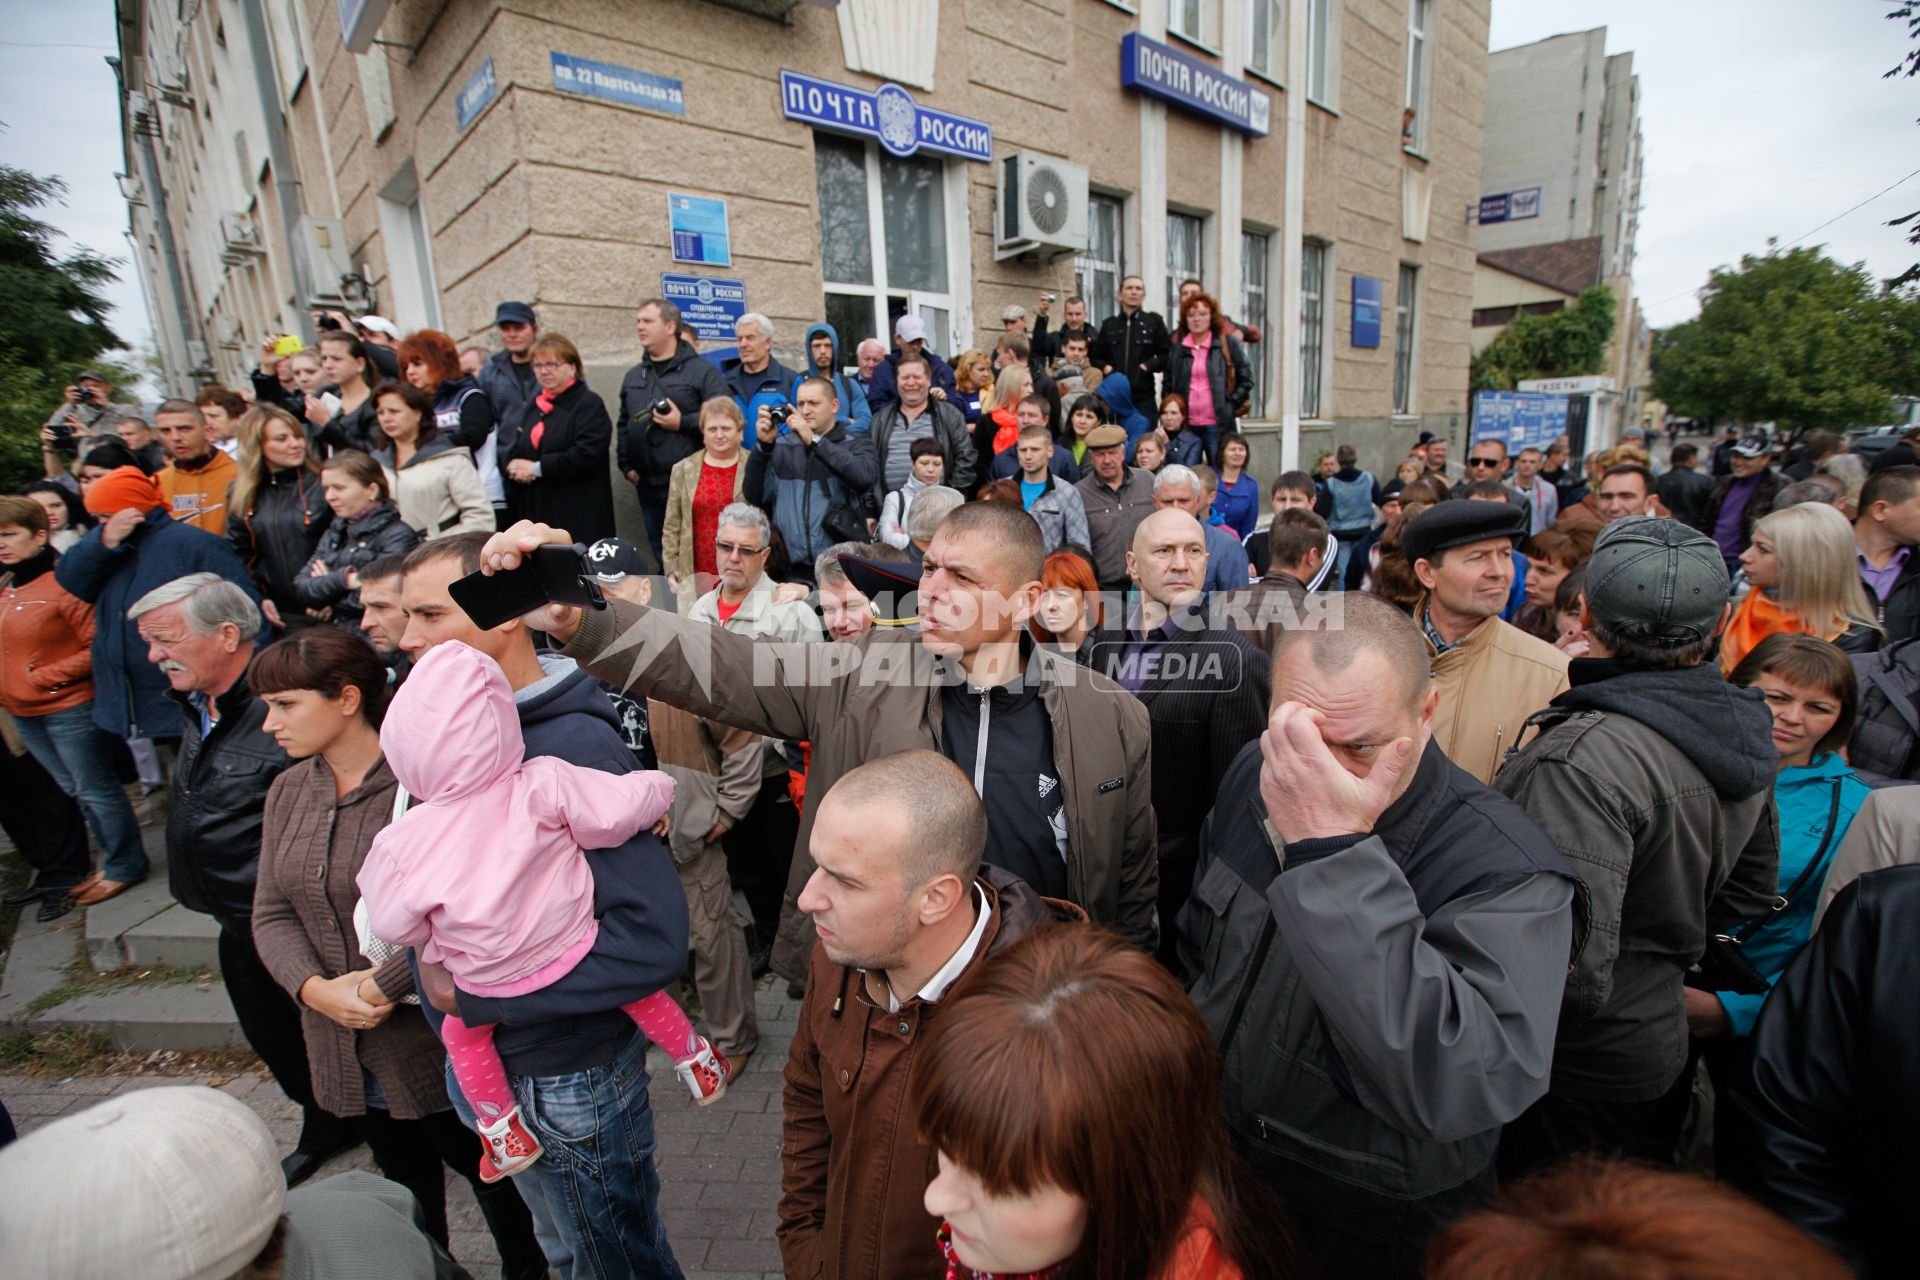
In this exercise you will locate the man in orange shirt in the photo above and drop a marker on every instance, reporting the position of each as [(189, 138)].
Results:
[(196, 481)]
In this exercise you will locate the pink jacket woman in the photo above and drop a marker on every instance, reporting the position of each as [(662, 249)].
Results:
[(484, 874)]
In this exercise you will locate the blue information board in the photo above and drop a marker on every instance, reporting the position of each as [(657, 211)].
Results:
[(475, 94), (617, 84), (1524, 419), (887, 114), (1366, 311), (711, 305), (1161, 71), (699, 227)]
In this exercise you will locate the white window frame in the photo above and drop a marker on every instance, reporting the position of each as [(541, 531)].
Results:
[(1420, 33), (936, 309), (1323, 53), (1274, 13), (1406, 341), (1206, 14), (1198, 269), (1317, 339), (1085, 264), (1263, 280), (409, 244)]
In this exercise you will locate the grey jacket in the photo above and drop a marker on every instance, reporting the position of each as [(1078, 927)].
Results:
[(1061, 515), (1384, 1003), (1658, 787)]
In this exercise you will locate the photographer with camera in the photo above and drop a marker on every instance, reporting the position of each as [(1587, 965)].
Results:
[(818, 473), (82, 414), (659, 412)]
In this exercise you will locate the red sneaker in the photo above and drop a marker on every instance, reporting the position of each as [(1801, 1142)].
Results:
[(705, 1074), (511, 1147)]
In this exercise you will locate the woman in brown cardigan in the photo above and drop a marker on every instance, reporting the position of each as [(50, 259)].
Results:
[(379, 1066)]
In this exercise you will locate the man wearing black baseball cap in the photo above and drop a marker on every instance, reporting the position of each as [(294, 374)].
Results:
[(507, 377), (1742, 497), (1489, 674), (1654, 776)]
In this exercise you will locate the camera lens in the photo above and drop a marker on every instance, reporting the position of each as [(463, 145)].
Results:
[(779, 413), (663, 406)]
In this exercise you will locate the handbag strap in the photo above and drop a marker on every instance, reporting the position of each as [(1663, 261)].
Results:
[(1782, 901)]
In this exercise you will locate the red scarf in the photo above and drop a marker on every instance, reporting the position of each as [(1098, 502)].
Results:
[(544, 399), (958, 1270)]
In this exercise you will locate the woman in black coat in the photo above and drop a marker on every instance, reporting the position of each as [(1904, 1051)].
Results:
[(1229, 376), (366, 527), (559, 471), (277, 511)]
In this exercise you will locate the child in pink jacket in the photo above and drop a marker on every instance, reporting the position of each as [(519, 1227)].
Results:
[(485, 874)]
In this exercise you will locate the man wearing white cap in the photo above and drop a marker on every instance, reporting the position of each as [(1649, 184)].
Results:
[(193, 1181), (909, 335)]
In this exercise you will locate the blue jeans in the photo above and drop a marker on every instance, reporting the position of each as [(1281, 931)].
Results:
[(594, 1194), (80, 756)]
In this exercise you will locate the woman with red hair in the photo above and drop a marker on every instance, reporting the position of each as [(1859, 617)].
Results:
[(1071, 1097), (1069, 610), (1601, 1220), (462, 414), (1207, 368)]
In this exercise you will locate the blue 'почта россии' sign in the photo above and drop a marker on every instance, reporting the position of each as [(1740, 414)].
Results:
[(711, 305), (1161, 71), (887, 114)]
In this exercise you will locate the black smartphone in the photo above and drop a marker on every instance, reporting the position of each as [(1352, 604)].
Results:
[(550, 575)]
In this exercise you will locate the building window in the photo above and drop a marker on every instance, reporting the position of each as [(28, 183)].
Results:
[(1413, 129), (1098, 271), (1253, 309), (1320, 50), (1195, 20), (1406, 337), (1267, 38), (1313, 324), (869, 286), (403, 228), (1183, 255)]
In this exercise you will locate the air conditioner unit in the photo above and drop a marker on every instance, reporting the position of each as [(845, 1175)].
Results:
[(324, 242), (239, 239), (1043, 207)]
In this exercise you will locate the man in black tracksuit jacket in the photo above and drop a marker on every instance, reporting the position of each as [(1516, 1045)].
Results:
[(1135, 342)]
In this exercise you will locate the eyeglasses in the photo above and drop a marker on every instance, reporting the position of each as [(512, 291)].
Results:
[(728, 550), (550, 364), (1483, 462)]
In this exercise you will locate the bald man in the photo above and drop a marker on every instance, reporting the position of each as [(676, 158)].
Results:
[(1381, 943), (1205, 689)]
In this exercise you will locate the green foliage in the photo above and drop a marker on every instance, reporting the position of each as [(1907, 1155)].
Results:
[(54, 322), (1790, 337), (1907, 67), (1564, 344)]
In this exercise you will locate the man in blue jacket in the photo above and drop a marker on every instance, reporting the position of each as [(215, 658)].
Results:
[(136, 547), (580, 1072), (909, 335), (823, 355), (754, 377), (507, 377)]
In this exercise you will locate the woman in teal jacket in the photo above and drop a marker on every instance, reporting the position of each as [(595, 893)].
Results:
[(1810, 689)]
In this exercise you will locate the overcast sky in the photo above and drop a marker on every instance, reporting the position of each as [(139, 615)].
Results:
[(1760, 118)]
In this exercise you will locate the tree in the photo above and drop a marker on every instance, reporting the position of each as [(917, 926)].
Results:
[(1561, 344), (1908, 66), (1790, 337), (54, 322)]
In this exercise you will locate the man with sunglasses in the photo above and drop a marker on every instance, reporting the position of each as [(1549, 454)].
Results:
[(1489, 461)]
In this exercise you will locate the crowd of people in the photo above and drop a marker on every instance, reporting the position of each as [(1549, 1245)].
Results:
[(1493, 867)]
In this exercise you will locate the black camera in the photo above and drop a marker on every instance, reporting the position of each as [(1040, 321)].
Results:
[(779, 413), (662, 407), (326, 323)]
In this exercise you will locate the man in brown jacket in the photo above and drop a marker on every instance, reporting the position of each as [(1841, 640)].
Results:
[(1490, 675), (1058, 754), (903, 910)]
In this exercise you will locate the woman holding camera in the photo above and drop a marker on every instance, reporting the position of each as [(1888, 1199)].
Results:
[(558, 470)]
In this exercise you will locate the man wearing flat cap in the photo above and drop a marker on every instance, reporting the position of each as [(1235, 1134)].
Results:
[(1117, 498), (1654, 778), (1489, 674)]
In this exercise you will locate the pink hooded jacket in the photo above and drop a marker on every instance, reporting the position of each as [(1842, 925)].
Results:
[(484, 874)]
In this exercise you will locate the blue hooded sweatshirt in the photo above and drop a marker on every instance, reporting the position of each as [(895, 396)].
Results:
[(1119, 400), (855, 414), (1805, 798)]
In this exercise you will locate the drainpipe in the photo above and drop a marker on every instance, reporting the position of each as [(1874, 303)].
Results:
[(1292, 225), (286, 184)]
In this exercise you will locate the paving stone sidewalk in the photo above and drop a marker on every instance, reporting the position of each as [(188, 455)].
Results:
[(719, 1166)]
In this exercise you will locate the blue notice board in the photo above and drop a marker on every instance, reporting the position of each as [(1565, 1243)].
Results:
[(475, 95), (711, 305), (617, 84), (1366, 311), (1524, 419), (699, 227)]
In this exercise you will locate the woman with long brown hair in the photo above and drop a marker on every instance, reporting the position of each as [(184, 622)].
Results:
[(277, 510), (1392, 577), (1071, 1096)]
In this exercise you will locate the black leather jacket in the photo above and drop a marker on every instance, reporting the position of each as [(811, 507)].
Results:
[(348, 545), (1823, 1128), (276, 536), (219, 796)]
